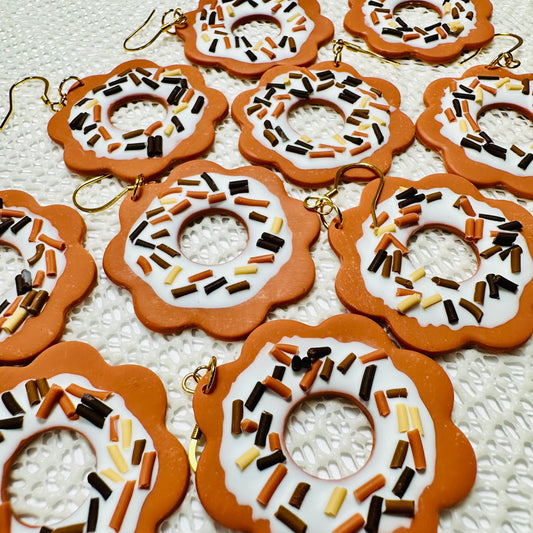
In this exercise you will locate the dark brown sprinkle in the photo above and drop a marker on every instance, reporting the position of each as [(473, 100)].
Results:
[(4, 305), (387, 265), (258, 217), (143, 71), (253, 108), (327, 369), (154, 212), (42, 385), (296, 363), (214, 285), (12, 423), (236, 287), (135, 146), (317, 352), (524, 163), (299, 494), (39, 251), (92, 416), (473, 309), (160, 234), (447, 283), (2, 438), (196, 108), (145, 244), (263, 428), (489, 252), (134, 78), (11, 404), (399, 454), (38, 302), (346, 363), (268, 237), (407, 193), (92, 518), (506, 284), (400, 507), (279, 372), (513, 225), (183, 291), (15, 228), (411, 200), (210, 181), (138, 230), (96, 404), (255, 396), (270, 460), (495, 218), (361, 113), (288, 518), (236, 416), (504, 238), (493, 287), (403, 482), (168, 250), (451, 313), (138, 450), (374, 514), (397, 393), (99, 485), (433, 196), (32, 392), (407, 283), (366, 383), (420, 30), (377, 261), (397, 261), (159, 261)]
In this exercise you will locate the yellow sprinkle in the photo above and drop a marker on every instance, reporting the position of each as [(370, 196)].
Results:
[(286, 81), (15, 320), (463, 125), (167, 200), (174, 72), (247, 458), (403, 421), (447, 8), (408, 302), (91, 104), (364, 101), (416, 422), (513, 86), (380, 121), (392, 24), (172, 274), (339, 139), (277, 224), (479, 95), (431, 300), (305, 139), (502, 82), (230, 11), (417, 274), (257, 45), (205, 37), (363, 127), (294, 17), (109, 473), (248, 269), (169, 129), (118, 458), (335, 501), (389, 228), (125, 424), (179, 108), (456, 26)]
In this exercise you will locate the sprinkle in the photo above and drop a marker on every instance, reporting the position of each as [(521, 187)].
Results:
[(92, 518), (403, 421), (255, 396), (236, 287), (200, 276), (310, 376), (278, 387), (271, 485), (32, 392), (14, 322), (99, 485), (335, 501), (78, 391), (118, 458), (399, 454), (12, 423), (184, 291), (368, 488), (110, 474), (172, 274), (249, 269), (431, 300), (147, 468), (403, 482), (288, 518), (247, 458), (264, 427), (346, 363), (367, 381), (450, 312), (416, 422), (138, 449), (236, 416), (418, 274), (122, 506), (299, 494), (144, 264), (270, 460), (375, 355), (381, 403), (417, 449), (443, 282), (374, 514), (353, 524), (408, 302), (268, 258), (49, 401)]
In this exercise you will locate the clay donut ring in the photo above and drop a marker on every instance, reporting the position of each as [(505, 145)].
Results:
[(260, 489), (449, 126), (209, 38), (374, 128), (142, 469), (228, 300), (94, 145), (464, 25), (433, 314), (58, 273)]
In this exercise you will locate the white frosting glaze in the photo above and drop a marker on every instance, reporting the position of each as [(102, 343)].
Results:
[(132, 91), (445, 18), (504, 97), (376, 116), (442, 213), (247, 484), (214, 26), (219, 298), (27, 249), (98, 439)]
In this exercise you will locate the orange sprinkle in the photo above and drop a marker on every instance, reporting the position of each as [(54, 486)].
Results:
[(198, 195), (464, 106), (417, 448), (104, 133), (144, 264), (469, 229), (376, 355), (270, 41), (374, 18), (282, 97), (274, 441), (215, 198), (280, 356), (415, 208), (147, 468), (11, 213), (372, 95), (381, 403), (112, 147), (68, 407), (301, 20), (339, 149), (383, 107), (441, 32), (54, 243), (179, 207), (410, 36), (472, 122), (489, 89), (402, 291), (383, 243), (381, 218), (262, 113), (325, 153), (474, 83), (289, 348), (49, 401), (310, 376), (155, 126), (360, 149), (38, 279), (122, 506), (277, 387), (407, 220), (272, 484), (450, 115), (200, 276), (241, 200), (352, 525), (478, 229), (227, 42), (371, 486), (268, 258), (466, 206), (220, 13), (278, 110), (399, 245), (188, 95), (453, 86), (275, 8), (359, 133), (113, 428), (267, 52), (51, 265), (162, 218), (299, 28), (36, 229), (249, 426), (78, 391)]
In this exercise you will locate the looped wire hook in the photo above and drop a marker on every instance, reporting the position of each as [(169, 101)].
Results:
[(339, 44), (179, 20), (135, 188), (54, 106), (504, 59)]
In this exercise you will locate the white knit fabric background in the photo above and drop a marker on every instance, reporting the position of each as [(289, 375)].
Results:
[(493, 393)]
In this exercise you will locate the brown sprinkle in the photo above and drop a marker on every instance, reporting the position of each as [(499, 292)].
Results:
[(236, 416), (290, 520), (399, 454), (327, 369), (346, 363), (299, 494), (397, 393), (400, 507), (42, 385)]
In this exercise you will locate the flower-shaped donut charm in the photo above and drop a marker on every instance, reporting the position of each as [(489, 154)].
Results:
[(171, 291), (94, 145), (420, 462), (462, 25)]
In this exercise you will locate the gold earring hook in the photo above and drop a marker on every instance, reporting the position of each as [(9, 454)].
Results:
[(136, 188), (507, 57), (339, 44), (324, 205), (54, 106), (179, 20)]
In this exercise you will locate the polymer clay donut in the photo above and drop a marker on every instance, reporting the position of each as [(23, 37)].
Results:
[(142, 470), (374, 127), (430, 313), (463, 25), (58, 273), (171, 291), (211, 40), (449, 125), (94, 145), (420, 462)]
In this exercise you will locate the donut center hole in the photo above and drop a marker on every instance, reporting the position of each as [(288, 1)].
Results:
[(329, 437), (12, 265), (316, 120), (137, 115), (417, 14), (442, 253), (47, 481), (507, 126), (213, 238), (256, 29)]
